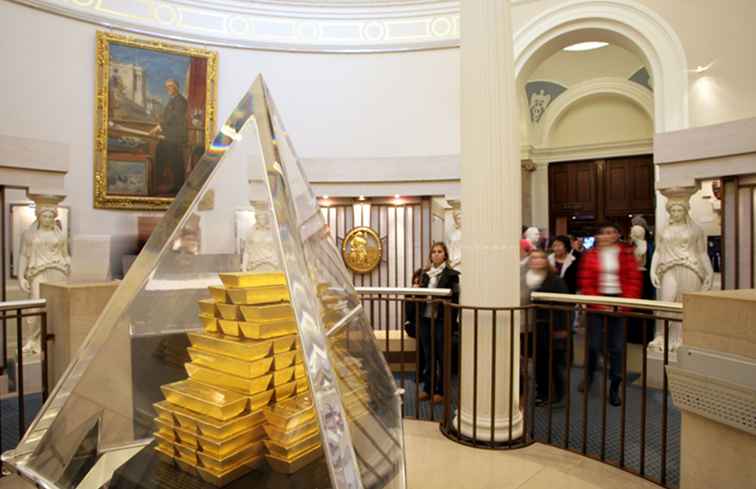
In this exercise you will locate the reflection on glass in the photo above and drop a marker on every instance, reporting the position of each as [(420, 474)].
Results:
[(205, 349)]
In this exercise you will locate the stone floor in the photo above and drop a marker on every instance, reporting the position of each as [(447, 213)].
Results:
[(433, 462)]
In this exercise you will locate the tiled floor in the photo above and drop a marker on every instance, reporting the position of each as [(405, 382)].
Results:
[(433, 461)]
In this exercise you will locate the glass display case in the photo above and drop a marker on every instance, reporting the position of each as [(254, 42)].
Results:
[(219, 363)]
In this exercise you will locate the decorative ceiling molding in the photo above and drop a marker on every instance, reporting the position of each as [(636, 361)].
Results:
[(280, 25)]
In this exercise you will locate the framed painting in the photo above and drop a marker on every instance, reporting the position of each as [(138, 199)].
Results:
[(155, 117)]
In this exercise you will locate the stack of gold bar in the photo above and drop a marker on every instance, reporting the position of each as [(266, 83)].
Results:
[(293, 435), (212, 424)]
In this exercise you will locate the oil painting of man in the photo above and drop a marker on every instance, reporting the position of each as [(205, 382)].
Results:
[(158, 120)]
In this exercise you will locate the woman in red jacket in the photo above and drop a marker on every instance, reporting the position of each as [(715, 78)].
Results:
[(610, 270)]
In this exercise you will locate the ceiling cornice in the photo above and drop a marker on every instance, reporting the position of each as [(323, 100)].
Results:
[(287, 25)]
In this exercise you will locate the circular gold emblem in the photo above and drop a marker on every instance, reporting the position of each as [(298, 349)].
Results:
[(362, 250)]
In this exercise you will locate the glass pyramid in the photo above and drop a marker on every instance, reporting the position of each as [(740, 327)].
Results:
[(246, 206)]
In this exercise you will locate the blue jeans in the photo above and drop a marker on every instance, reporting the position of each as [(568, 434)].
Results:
[(615, 337)]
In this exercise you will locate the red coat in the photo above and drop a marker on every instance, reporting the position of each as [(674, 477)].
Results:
[(631, 281)]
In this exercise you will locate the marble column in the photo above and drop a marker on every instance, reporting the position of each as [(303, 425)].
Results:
[(491, 197)]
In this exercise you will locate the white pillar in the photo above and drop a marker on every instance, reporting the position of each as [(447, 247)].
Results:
[(491, 200)]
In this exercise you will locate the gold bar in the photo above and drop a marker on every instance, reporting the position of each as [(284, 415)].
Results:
[(285, 343), (260, 295), (302, 387), (219, 295), (252, 279), (230, 311), (288, 437), (283, 376), (220, 479), (164, 410), (232, 365), (221, 448), (209, 324), (228, 381), (291, 451), (267, 312), (285, 359), (165, 429), (291, 413), (229, 327), (284, 466), (220, 464), (258, 401), (268, 330), (187, 466), (243, 349), (285, 391), (164, 443), (216, 430), (207, 307), (204, 399)]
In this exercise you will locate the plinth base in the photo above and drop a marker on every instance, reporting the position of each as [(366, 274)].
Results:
[(145, 471)]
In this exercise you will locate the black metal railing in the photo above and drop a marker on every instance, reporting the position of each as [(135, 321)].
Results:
[(13, 366), (545, 342)]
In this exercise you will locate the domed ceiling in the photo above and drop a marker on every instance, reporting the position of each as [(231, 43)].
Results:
[(288, 25)]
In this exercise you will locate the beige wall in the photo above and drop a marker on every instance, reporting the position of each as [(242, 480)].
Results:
[(569, 68), (601, 119)]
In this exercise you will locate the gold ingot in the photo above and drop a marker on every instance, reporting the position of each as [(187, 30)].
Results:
[(268, 330), (287, 359), (260, 400), (284, 391), (220, 464), (220, 479), (290, 414), (185, 452), (164, 411), (228, 381), (260, 295), (285, 343), (232, 365), (230, 311), (209, 324), (220, 448), (165, 429), (289, 437), (284, 376), (285, 466), (211, 401), (229, 327), (219, 294), (207, 307), (292, 450), (164, 442), (242, 349), (302, 387), (267, 312), (217, 430), (252, 279), (165, 455)]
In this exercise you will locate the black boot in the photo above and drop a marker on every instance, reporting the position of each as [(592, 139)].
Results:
[(614, 397)]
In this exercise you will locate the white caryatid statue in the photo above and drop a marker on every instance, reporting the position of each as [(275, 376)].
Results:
[(260, 246), (44, 258), (533, 235), (455, 240), (640, 246), (680, 263)]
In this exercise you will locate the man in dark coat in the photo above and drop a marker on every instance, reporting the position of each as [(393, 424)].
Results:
[(169, 156)]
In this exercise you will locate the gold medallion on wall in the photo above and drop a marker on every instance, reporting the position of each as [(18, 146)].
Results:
[(362, 250)]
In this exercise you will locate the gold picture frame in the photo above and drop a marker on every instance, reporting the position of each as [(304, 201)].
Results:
[(143, 85)]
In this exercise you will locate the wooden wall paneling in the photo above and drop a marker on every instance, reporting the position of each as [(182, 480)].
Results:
[(617, 183)]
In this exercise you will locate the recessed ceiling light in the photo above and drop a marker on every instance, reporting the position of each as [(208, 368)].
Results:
[(586, 46)]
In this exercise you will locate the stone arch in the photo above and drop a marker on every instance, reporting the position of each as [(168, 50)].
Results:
[(623, 22), (636, 93)]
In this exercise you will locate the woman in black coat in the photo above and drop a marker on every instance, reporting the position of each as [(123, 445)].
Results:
[(539, 276), (438, 276)]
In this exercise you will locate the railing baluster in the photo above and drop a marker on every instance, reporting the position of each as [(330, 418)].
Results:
[(665, 407), (493, 378), (624, 394), (458, 312), (511, 371), (475, 377), (20, 373), (550, 387), (568, 380)]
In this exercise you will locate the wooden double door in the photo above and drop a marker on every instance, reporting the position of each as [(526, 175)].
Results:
[(584, 194)]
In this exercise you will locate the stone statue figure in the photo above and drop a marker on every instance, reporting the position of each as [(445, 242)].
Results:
[(454, 240), (640, 245), (533, 235), (260, 247), (44, 258), (680, 264)]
